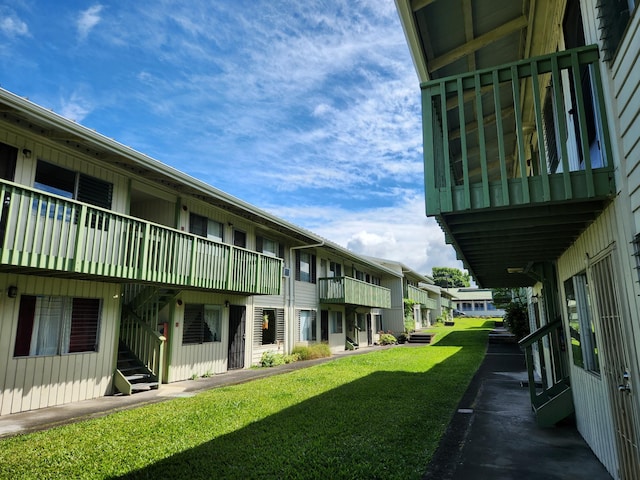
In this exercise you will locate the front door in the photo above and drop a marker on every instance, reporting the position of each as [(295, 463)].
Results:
[(369, 330), (616, 367), (237, 320), (324, 325)]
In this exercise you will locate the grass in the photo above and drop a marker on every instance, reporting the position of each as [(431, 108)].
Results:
[(375, 415)]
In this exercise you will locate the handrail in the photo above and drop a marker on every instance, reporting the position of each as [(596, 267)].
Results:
[(147, 344), (539, 333), (47, 231), (554, 381), (353, 291)]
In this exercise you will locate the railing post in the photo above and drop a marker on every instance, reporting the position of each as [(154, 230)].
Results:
[(81, 237), (144, 253)]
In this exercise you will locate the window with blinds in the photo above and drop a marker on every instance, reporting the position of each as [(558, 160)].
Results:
[(53, 325), (201, 324)]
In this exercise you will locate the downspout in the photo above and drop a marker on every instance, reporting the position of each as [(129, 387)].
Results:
[(290, 340)]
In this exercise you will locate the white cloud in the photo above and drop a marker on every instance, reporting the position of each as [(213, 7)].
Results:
[(11, 25), (76, 107), (401, 232), (87, 20)]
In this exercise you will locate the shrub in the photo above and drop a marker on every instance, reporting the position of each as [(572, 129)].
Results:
[(271, 359), (403, 337), (317, 350), (387, 339), (516, 319)]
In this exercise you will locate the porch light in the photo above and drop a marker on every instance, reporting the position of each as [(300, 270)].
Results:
[(12, 291), (515, 270)]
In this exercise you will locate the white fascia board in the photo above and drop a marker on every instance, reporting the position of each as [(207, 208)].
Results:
[(405, 13)]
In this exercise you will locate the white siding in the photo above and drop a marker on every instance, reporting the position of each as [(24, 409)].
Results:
[(593, 412), (28, 383), (200, 359)]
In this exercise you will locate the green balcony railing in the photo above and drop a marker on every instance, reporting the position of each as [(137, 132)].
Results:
[(347, 290), (421, 297), (43, 231), (533, 131)]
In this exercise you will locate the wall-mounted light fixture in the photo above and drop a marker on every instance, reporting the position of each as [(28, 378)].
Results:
[(26, 152), (226, 303), (179, 302), (12, 291)]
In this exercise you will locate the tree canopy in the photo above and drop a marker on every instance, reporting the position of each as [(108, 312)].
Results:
[(449, 277)]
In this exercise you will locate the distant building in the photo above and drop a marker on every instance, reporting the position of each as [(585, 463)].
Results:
[(475, 302)]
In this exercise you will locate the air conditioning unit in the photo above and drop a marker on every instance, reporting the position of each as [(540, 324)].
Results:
[(286, 272)]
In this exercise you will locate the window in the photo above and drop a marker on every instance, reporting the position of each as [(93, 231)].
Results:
[(305, 267), (269, 247), (67, 183), (307, 319), (378, 322), (205, 227), (361, 321), (201, 324), (335, 322), (478, 306), (335, 269), (8, 156), (613, 16), (239, 238), (490, 306), (464, 306), (268, 327), (581, 329), (50, 325)]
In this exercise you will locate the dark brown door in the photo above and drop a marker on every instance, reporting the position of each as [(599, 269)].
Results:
[(237, 320), (324, 325)]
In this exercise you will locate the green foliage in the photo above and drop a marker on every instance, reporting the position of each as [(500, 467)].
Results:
[(273, 359), (516, 316), (309, 352), (198, 437), (403, 338), (387, 339), (449, 277)]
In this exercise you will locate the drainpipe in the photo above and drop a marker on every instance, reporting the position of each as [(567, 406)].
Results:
[(289, 339)]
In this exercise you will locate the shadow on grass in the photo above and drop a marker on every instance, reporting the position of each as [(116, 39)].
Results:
[(385, 425)]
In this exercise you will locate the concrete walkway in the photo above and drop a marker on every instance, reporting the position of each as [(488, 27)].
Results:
[(493, 435)]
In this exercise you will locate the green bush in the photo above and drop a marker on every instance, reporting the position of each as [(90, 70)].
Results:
[(317, 350), (271, 359), (387, 339), (516, 319), (403, 337)]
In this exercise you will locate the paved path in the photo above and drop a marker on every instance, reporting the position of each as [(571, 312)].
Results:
[(494, 435)]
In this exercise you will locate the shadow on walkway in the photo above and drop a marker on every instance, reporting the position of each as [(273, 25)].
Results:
[(493, 435)]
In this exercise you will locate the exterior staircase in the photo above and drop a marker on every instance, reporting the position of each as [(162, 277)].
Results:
[(139, 378), (141, 347), (421, 337)]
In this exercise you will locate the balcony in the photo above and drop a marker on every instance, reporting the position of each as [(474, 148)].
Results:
[(517, 161), (421, 296), (57, 236), (347, 290)]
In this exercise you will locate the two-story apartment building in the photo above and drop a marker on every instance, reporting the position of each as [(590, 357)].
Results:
[(531, 121), (119, 273), (413, 296)]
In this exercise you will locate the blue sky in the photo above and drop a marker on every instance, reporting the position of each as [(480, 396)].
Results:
[(308, 110)]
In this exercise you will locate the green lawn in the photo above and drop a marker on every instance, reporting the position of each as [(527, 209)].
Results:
[(375, 415)]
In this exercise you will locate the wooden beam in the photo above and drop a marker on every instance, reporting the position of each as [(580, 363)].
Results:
[(478, 42), (418, 4)]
